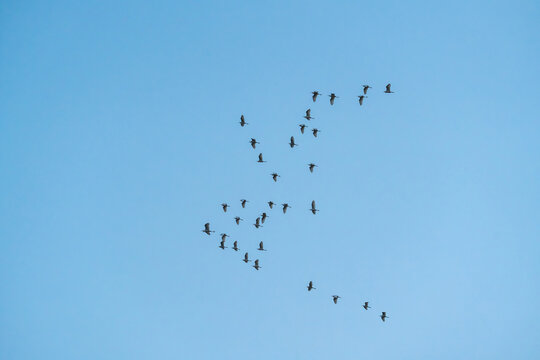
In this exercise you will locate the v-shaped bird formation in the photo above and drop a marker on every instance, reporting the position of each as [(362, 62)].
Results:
[(285, 206)]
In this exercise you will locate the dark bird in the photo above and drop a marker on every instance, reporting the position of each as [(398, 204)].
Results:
[(308, 115), (336, 297), (246, 259), (274, 176), (222, 244), (312, 166), (315, 131), (292, 144), (242, 121), (388, 89), (271, 204), (313, 209), (260, 159), (315, 94), (383, 316), (332, 98), (310, 286), (285, 207), (253, 143), (243, 202), (361, 99), (366, 306), (225, 206), (238, 219), (207, 229), (256, 266), (261, 247), (235, 246), (302, 127), (257, 223), (366, 87), (263, 217), (224, 236)]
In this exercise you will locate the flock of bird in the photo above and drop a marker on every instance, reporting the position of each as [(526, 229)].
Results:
[(311, 166)]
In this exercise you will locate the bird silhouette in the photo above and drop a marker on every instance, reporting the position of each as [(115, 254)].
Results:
[(366, 87), (261, 159), (235, 246), (263, 217), (271, 204), (315, 94), (243, 202), (224, 236), (257, 223), (310, 286), (336, 297), (222, 245), (261, 247), (361, 99), (388, 91), (274, 176), (292, 144), (311, 167), (243, 121), (285, 207), (365, 306), (302, 127), (238, 219), (308, 115), (225, 206), (315, 131), (256, 266), (332, 98), (207, 230), (246, 259), (253, 143), (383, 316), (313, 209)]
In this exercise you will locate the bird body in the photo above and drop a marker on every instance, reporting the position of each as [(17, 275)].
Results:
[(332, 98), (365, 306), (383, 316), (224, 236), (308, 115), (225, 206), (256, 266), (315, 94), (253, 143), (302, 127), (238, 219), (388, 91), (366, 87), (312, 166), (271, 204), (235, 246), (285, 207), (292, 143), (361, 99), (243, 121), (263, 217), (207, 230), (261, 159), (246, 258), (335, 298), (243, 202), (257, 223), (222, 244), (310, 286), (315, 131), (261, 247), (313, 209), (275, 176)]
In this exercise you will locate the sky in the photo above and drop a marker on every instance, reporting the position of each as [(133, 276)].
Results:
[(119, 139)]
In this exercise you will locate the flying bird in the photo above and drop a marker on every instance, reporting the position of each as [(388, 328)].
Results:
[(313, 209), (332, 98), (207, 229), (275, 176), (336, 297), (315, 94), (257, 223), (271, 204), (315, 131), (243, 202), (285, 207), (388, 91), (222, 245), (261, 159), (261, 247), (243, 121), (308, 115), (238, 219), (235, 246), (312, 166), (383, 316), (253, 143), (263, 217), (366, 87), (246, 259), (310, 286), (292, 144), (256, 266), (302, 127), (224, 236), (225, 206), (361, 99), (365, 306)]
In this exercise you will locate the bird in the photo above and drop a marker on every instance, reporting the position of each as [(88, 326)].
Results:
[(308, 115), (261, 159), (243, 202), (312, 166), (383, 316), (315, 131), (253, 142), (225, 206), (257, 223), (263, 217), (388, 89), (292, 144), (246, 259), (207, 229), (238, 219), (315, 94), (222, 245), (235, 246), (275, 176), (271, 204), (332, 98), (365, 306), (243, 121), (302, 127), (366, 87), (313, 209), (310, 286), (285, 207), (256, 266), (261, 247), (361, 99), (336, 297), (224, 236)]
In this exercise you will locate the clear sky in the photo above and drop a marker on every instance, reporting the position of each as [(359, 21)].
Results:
[(119, 139)]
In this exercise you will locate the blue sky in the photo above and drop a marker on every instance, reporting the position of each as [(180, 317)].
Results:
[(119, 138)]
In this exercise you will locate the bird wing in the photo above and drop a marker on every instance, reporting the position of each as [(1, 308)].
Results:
[(388, 87), (313, 204), (207, 226), (260, 157)]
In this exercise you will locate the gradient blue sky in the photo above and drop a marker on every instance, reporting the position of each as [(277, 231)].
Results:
[(119, 140)]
